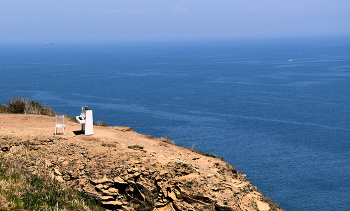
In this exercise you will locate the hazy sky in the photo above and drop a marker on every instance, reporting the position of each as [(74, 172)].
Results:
[(158, 20)]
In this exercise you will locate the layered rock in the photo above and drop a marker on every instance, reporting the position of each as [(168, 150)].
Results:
[(124, 178)]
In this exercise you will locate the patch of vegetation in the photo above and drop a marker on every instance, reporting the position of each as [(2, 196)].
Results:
[(273, 205), (234, 171), (189, 184), (254, 205), (184, 165), (135, 147), (101, 123), (143, 206), (72, 118), (108, 145), (213, 156), (92, 139), (202, 153), (3, 109), (17, 105), (35, 107), (27, 143), (167, 140), (23, 191), (20, 105)]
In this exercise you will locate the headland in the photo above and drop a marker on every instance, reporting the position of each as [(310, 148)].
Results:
[(123, 170)]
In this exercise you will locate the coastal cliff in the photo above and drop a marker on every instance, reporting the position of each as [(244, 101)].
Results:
[(124, 170)]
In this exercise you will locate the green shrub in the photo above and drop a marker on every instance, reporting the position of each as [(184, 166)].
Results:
[(17, 105), (3, 109), (20, 105)]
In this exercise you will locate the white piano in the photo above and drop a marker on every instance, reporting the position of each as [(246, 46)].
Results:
[(86, 120)]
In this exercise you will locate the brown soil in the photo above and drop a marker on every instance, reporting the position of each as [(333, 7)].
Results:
[(125, 170)]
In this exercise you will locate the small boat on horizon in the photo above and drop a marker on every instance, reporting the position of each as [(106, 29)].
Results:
[(290, 60)]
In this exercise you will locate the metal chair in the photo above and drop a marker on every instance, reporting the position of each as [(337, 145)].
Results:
[(60, 123)]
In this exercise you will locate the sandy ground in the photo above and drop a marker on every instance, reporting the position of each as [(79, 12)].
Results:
[(30, 126)]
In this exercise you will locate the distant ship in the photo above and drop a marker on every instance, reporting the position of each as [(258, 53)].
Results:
[(50, 43), (290, 60)]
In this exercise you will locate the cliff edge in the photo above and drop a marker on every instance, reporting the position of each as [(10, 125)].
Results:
[(124, 170)]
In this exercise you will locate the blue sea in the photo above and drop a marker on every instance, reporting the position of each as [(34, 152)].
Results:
[(277, 110)]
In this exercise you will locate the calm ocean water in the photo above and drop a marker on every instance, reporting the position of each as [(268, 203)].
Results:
[(285, 124)]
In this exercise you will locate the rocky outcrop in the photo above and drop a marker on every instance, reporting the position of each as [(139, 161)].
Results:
[(126, 178)]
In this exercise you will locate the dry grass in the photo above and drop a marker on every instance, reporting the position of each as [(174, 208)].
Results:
[(20, 105), (202, 153), (135, 147), (108, 145), (167, 140), (101, 123), (71, 118), (92, 139)]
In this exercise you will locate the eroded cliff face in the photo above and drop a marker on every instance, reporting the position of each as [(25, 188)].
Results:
[(124, 170)]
